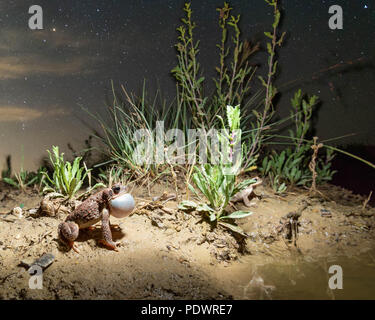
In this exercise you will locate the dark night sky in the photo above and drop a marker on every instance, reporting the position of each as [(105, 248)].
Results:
[(45, 75)]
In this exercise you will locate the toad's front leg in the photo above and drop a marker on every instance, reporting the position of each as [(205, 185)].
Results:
[(246, 197), (68, 232), (107, 234)]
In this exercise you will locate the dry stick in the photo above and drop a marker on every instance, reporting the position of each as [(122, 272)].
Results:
[(175, 181), (312, 167), (312, 164), (366, 201)]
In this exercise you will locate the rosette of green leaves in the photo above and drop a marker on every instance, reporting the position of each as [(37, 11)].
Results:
[(67, 178)]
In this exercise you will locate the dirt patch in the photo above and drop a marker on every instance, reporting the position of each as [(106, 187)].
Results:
[(168, 254)]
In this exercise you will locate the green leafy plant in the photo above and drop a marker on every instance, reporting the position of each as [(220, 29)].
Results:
[(217, 188), (234, 73), (187, 72), (323, 169), (286, 167), (291, 165), (67, 178), (263, 119), (218, 182), (277, 187)]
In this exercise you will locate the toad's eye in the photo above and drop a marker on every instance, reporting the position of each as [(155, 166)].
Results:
[(116, 189)]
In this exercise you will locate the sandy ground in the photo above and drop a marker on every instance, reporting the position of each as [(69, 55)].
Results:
[(168, 254)]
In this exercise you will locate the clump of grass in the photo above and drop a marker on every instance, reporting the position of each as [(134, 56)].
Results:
[(110, 175), (67, 178), (129, 136), (22, 179)]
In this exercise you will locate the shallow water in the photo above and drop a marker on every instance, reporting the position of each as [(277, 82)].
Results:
[(301, 279)]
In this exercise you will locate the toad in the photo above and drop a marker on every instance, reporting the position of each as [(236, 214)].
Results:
[(246, 193), (94, 209)]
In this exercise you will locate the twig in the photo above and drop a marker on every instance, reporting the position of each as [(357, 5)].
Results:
[(175, 181), (312, 164), (366, 201)]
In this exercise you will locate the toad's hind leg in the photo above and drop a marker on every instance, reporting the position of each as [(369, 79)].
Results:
[(107, 234), (68, 232)]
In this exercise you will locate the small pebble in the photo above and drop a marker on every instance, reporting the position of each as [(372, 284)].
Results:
[(325, 213), (33, 211), (44, 261), (17, 211)]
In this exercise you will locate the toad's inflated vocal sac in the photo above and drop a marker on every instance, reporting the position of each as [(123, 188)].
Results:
[(97, 207)]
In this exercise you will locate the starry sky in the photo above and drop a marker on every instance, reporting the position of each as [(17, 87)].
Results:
[(46, 75)]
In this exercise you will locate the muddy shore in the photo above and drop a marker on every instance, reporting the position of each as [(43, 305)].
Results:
[(168, 254)]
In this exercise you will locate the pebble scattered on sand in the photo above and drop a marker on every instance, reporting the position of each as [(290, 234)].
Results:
[(17, 211), (44, 261)]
